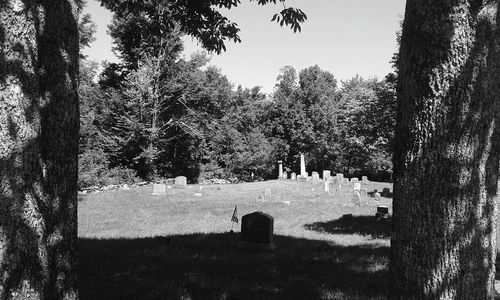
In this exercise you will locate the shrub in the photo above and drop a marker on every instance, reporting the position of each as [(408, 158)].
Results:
[(93, 170)]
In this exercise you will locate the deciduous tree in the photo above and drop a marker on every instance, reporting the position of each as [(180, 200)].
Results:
[(446, 151)]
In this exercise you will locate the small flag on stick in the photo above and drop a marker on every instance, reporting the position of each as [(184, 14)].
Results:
[(234, 218)]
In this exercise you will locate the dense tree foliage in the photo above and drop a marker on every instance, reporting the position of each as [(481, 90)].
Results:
[(183, 117), (156, 114)]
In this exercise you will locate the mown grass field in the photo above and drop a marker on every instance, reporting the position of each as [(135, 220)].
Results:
[(133, 245)]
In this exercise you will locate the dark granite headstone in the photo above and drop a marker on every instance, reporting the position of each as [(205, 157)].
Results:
[(257, 227), (382, 212)]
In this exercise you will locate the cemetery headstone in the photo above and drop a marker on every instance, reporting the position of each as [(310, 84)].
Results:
[(364, 178), (356, 197), (354, 179), (315, 177), (347, 216), (293, 176), (364, 192), (257, 228), (377, 196), (327, 186), (357, 186), (382, 212), (280, 169), (326, 174), (285, 175), (180, 181), (386, 192), (303, 171), (334, 180), (345, 180), (340, 176), (159, 189)]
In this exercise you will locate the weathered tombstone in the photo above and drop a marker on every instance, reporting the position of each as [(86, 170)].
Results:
[(357, 186), (340, 176), (280, 169), (354, 179), (293, 176), (285, 175), (377, 196), (386, 192), (345, 180), (267, 193), (303, 172), (364, 178), (257, 229), (364, 192), (356, 197), (159, 189), (334, 180), (126, 187), (327, 186), (180, 181), (326, 174), (315, 177)]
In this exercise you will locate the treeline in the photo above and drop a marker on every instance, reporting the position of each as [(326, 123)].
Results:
[(159, 115)]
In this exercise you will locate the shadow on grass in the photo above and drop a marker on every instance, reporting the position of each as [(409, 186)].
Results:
[(214, 266), (363, 225)]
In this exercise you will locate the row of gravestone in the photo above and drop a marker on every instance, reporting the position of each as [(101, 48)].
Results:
[(326, 176), (161, 188)]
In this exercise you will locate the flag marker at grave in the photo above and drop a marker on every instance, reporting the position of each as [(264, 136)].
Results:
[(234, 218)]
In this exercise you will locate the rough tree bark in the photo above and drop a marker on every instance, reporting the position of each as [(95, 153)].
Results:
[(38, 149), (446, 152)]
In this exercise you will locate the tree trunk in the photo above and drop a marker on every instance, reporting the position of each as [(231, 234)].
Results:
[(38, 149), (446, 152)]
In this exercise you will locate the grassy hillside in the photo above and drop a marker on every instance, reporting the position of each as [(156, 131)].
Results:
[(134, 245)]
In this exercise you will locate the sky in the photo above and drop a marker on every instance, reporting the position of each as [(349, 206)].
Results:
[(344, 37)]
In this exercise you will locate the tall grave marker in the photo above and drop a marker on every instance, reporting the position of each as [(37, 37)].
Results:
[(303, 172)]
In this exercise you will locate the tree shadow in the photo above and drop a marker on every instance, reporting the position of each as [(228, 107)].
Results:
[(363, 225), (215, 266)]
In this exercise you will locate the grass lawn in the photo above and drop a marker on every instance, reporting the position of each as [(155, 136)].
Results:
[(133, 245)]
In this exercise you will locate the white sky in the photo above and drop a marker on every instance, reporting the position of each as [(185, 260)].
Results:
[(345, 37)]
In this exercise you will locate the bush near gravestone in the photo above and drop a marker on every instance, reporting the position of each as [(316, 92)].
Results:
[(93, 171)]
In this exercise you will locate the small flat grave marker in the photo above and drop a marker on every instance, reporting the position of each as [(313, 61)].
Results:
[(159, 189)]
